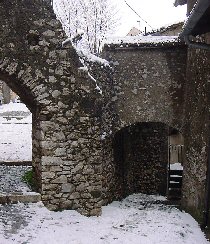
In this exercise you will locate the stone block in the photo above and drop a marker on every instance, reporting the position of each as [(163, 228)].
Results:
[(56, 93), (67, 188), (49, 33), (48, 175), (96, 212), (74, 195), (33, 197), (60, 179), (56, 168), (66, 204), (48, 160)]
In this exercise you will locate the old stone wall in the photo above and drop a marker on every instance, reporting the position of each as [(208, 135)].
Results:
[(102, 71), (63, 99), (80, 103), (196, 132), (148, 85)]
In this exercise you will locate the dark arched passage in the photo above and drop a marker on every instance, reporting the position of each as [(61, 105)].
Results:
[(141, 158)]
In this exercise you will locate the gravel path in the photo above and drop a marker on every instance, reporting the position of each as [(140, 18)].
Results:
[(11, 179)]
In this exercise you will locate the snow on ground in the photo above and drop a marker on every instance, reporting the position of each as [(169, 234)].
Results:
[(15, 133), (13, 107), (138, 219), (133, 221)]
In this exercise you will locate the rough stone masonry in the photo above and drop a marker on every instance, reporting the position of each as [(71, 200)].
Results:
[(78, 155), (64, 102)]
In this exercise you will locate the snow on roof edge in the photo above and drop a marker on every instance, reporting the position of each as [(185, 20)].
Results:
[(129, 41)]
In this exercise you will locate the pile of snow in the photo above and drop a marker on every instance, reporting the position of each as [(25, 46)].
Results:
[(124, 222)]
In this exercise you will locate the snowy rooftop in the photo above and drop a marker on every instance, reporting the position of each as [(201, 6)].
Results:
[(142, 41)]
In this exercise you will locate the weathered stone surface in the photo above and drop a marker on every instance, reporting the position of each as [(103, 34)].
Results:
[(75, 126), (48, 160), (48, 175), (196, 131), (68, 188), (24, 198), (74, 195), (56, 93), (61, 179)]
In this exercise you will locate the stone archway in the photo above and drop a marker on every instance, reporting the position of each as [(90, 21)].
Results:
[(63, 100), (141, 155)]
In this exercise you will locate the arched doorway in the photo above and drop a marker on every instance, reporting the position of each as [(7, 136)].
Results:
[(16, 171), (19, 126), (141, 158), (15, 129)]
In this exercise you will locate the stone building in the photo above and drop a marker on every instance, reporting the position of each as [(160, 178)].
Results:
[(171, 30), (101, 126), (196, 34), (148, 84), (134, 32)]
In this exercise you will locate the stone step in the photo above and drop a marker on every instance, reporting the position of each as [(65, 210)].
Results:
[(175, 185), (12, 187), (16, 163), (174, 194), (173, 202), (175, 172), (7, 198), (176, 178)]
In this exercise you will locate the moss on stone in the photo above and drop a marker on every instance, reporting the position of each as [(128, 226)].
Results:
[(29, 179)]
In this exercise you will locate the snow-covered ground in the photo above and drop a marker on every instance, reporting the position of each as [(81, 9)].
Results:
[(135, 220), (15, 133)]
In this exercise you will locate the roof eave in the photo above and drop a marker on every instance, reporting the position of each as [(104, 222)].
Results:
[(195, 15)]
